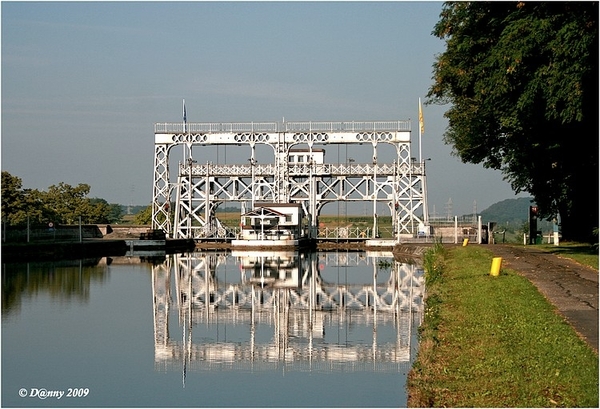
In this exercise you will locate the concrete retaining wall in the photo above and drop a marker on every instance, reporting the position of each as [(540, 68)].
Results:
[(129, 231)]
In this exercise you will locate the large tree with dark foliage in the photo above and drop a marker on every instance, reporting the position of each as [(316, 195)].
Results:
[(522, 81)]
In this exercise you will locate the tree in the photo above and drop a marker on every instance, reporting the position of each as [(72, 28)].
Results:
[(116, 213), (522, 79), (69, 202), (19, 204), (13, 199), (144, 216), (103, 212), (62, 203)]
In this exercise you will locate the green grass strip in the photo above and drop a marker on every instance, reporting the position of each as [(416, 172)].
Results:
[(495, 342), (581, 253)]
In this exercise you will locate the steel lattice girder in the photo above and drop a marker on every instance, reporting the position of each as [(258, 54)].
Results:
[(405, 192)]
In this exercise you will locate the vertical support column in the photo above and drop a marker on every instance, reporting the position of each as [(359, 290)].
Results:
[(312, 203), (253, 181), (207, 210), (179, 194), (411, 176), (395, 205), (409, 196), (189, 234), (376, 234), (183, 204), (281, 170), (161, 191)]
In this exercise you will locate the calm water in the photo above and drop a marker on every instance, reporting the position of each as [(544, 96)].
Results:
[(211, 329)]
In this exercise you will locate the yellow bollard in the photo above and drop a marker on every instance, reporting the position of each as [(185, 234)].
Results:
[(496, 264), (465, 242)]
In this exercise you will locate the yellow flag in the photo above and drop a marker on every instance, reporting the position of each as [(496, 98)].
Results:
[(421, 122)]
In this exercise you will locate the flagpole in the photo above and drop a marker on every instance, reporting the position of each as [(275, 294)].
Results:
[(420, 126), (422, 164), (185, 151), (184, 117)]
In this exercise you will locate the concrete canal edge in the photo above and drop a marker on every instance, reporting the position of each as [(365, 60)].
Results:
[(410, 251), (95, 241), (69, 242), (87, 248)]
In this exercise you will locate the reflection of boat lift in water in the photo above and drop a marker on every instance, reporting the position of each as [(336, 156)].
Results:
[(297, 302)]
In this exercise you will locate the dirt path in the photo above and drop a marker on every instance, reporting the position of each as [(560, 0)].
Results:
[(571, 287)]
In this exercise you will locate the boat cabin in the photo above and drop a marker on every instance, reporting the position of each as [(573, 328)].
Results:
[(273, 221)]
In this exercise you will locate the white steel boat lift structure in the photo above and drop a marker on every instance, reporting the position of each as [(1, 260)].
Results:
[(200, 188)]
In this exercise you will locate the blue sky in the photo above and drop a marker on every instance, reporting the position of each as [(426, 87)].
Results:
[(84, 82)]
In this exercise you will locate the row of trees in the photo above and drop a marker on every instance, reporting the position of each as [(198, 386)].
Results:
[(60, 204), (521, 79)]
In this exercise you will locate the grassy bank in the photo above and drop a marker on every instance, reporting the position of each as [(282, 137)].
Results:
[(495, 341), (581, 253)]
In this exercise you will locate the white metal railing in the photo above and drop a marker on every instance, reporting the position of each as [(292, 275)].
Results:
[(351, 126), (214, 232), (303, 126), (344, 233), (228, 170), (215, 127), (297, 169)]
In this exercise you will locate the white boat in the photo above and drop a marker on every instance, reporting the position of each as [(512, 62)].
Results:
[(272, 225)]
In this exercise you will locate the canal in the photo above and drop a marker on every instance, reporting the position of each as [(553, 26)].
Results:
[(211, 329)]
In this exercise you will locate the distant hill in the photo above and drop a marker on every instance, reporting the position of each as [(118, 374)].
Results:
[(508, 211)]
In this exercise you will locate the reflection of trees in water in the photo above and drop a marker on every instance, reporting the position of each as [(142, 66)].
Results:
[(64, 280)]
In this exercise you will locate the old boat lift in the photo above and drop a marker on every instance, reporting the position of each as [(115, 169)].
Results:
[(297, 172)]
